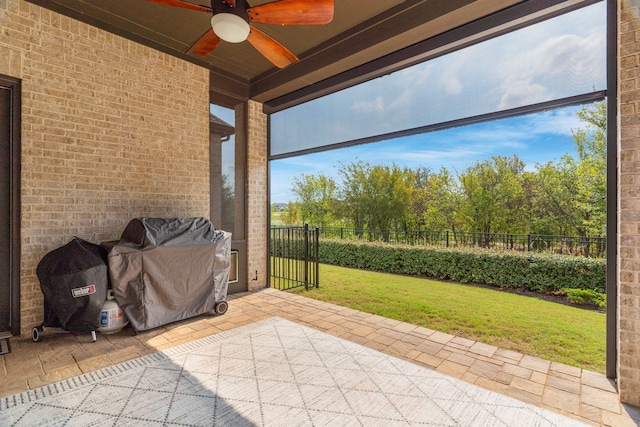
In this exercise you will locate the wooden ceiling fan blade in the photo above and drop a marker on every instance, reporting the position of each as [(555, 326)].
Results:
[(293, 12), (182, 4), (205, 44), (279, 55)]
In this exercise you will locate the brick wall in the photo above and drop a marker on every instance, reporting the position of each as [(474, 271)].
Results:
[(629, 202), (111, 130), (256, 196)]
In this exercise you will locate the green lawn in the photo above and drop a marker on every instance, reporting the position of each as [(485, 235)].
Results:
[(552, 331)]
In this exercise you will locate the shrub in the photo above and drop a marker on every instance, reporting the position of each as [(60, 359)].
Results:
[(533, 271), (586, 296)]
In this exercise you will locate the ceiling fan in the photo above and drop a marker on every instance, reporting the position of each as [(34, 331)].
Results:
[(232, 20)]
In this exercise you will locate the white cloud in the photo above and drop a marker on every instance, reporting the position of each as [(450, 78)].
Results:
[(453, 86), (374, 106), (554, 122), (560, 66), (402, 104), (522, 92), (417, 75), (569, 54)]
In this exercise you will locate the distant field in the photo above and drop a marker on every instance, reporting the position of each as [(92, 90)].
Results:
[(275, 218)]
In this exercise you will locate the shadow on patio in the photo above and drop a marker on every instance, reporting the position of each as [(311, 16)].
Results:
[(576, 393)]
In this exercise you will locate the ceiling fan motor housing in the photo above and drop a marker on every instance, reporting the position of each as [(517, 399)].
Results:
[(227, 6)]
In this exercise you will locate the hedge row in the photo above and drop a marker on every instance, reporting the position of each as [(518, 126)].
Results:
[(536, 272)]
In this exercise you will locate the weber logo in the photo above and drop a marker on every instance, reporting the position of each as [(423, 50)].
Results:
[(83, 291)]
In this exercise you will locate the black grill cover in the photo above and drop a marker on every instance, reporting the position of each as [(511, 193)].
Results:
[(74, 281), (168, 269)]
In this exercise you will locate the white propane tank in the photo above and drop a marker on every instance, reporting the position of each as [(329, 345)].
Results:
[(112, 319)]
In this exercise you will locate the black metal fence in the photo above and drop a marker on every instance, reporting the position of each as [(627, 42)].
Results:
[(294, 257), (567, 245)]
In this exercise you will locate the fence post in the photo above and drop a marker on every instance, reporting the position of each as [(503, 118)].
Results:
[(316, 247), (586, 248), (306, 256), (447, 238), (528, 242)]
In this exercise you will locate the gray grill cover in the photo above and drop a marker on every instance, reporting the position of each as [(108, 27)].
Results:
[(165, 270)]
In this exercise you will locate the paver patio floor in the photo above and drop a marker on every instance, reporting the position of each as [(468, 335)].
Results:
[(577, 393)]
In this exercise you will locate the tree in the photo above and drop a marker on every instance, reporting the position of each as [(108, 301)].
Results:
[(434, 201), (375, 196), (292, 215), (591, 169), (443, 205), (554, 199), (572, 193), (228, 203), (420, 196), (493, 196), (316, 196), (354, 177)]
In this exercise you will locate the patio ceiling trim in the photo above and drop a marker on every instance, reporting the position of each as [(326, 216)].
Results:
[(502, 22)]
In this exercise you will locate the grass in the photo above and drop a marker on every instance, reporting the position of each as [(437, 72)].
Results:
[(548, 330)]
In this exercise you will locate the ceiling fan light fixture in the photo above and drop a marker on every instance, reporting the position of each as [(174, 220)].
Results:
[(230, 28)]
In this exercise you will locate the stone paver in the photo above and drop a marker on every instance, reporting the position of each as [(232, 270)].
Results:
[(591, 413), (452, 369), (528, 386), (600, 399), (517, 371), (483, 349), (485, 369), (399, 348), (441, 337), (461, 359), (562, 400), (428, 360), (535, 364), (564, 384), (429, 347), (559, 368), (508, 355), (571, 391), (598, 381)]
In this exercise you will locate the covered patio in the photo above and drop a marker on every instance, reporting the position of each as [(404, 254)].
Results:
[(107, 114)]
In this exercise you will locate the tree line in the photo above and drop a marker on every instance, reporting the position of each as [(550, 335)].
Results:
[(496, 195)]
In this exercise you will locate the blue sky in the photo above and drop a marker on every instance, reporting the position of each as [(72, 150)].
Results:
[(554, 59)]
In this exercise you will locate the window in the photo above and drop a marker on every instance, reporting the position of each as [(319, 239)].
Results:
[(222, 146)]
